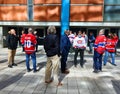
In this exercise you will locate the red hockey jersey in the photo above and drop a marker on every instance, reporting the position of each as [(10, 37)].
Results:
[(110, 45), (22, 37), (99, 44), (29, 42), (116, 39)]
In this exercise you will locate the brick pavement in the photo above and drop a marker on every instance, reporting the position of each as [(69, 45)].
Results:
[(78, 81)]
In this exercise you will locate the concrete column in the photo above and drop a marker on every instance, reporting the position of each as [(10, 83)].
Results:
[(1, 36)]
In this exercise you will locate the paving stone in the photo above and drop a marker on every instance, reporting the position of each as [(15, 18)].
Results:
[(78, 81)]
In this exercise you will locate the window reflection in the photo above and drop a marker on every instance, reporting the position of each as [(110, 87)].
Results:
[(112, 13), (30, 10), (112, 1)]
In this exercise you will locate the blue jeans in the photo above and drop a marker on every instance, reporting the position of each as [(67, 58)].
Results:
[(107, 55), (33, 57), (97, 61), (91, 47)]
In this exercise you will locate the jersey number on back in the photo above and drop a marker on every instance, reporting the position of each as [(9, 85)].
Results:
[(27, 43)]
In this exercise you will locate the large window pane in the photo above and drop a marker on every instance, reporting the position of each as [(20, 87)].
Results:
[(112, 1), (112, 13), (86, 1), (30, 10), (13, 1), (47, 13), (86, 13), (13, 13)]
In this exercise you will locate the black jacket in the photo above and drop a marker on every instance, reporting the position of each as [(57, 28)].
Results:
[(12, 42), (51, 45)]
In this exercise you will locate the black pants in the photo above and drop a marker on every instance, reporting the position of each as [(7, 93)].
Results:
[(81, 51), (36, 47), (64, 56)]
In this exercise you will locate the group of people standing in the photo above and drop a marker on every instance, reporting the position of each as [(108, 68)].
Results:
[(57, 50), (103, 45)]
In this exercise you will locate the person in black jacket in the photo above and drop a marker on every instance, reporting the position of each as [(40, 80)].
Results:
[(51, 46), (12, 41), (37, 38)]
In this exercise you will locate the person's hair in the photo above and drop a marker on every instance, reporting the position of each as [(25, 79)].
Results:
[(102, 31), (9, 32), (51, 30), (23, 31), (35, 32), (30, 30)]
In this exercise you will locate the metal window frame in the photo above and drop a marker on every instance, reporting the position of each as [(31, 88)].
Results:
[(30, 15)]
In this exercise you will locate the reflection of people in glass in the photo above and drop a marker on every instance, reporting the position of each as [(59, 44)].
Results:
[(110, 49)]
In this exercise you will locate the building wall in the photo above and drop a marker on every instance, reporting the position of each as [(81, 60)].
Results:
[(50, 10), (42, 13)]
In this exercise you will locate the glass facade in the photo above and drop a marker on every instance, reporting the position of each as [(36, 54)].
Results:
[(30, 10), (13, 10), (111, 10), (116, 2), (112, 13), (50, 10), (47, 10)]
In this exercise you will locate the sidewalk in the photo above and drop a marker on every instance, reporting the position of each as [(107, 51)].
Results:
[(78, 81)]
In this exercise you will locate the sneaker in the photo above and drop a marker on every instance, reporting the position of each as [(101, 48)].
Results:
[(35, 71), (95, 71), (48, 82), (75, 66), (59, 84), (66, 72), (114, 64), (10, 66), (14, 64), (29, 70), (104, 64), (81, 66)]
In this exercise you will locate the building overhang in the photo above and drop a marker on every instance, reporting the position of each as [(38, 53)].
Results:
[(88, 24)]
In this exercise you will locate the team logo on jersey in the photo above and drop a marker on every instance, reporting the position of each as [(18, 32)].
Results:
[(79, 41)]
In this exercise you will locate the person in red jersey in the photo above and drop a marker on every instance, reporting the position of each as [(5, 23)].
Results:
[(99, 48), (110, 49), (29, 43), (22, 38), (116, 41)]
